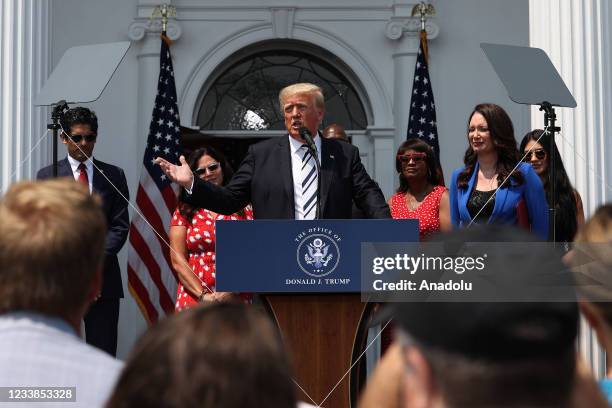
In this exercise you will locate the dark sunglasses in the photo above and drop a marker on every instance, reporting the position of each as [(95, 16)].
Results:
[(78, 138), (415, 157), (202, 170), (540, 154)]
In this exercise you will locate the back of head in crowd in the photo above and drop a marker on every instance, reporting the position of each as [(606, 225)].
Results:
[(592, 260), (496, 354), (223, 355), (51, 247)]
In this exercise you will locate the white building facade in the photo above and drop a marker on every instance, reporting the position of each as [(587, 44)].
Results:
[(373, 44)]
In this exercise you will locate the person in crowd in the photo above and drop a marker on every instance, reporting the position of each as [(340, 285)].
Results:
[(569, 213), (52, 241), (494, 186), (420, 194), (219, 355), (335, 131), (79, 135), (479, 354), (592, 259), (279, 178), (192, 235)]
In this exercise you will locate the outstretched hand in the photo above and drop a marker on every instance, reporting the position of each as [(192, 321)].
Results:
[(181, 175)]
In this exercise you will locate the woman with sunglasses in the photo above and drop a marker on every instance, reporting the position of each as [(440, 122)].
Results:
[(494, 186), (569, 214), (192, 235), (420, 194)]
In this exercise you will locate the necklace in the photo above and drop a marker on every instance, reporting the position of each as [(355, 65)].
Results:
[(411, 201), (490, 180)]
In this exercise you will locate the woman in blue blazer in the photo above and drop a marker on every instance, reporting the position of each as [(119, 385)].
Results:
[(494, 186)]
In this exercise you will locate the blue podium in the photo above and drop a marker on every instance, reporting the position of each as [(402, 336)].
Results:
[(308, 274)]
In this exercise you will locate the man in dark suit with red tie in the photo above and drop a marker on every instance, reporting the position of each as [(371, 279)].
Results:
[(79, 134), (279, 178)]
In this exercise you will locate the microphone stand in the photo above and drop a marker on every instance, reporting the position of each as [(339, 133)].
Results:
[(56, 114), (312, 147), (549, 123)]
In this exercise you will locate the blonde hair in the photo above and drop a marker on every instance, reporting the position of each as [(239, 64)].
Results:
[(52, 237), (592, 259), (302, 88)]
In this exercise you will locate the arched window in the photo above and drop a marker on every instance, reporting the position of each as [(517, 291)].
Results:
[(244, 97)]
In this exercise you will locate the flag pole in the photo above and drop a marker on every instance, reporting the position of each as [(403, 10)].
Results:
[(424, 10), (422, 116), (152, 280)]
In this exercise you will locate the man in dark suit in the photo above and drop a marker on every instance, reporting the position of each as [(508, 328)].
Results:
[(278, 176), (109, 183)]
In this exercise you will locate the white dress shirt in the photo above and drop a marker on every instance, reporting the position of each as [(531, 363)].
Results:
[(297, 153), (74, 165)]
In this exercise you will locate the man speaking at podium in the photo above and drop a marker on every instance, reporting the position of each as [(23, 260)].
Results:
[(279, 176)]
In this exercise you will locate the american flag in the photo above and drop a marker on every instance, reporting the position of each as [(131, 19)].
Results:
[(151, 279), (422, 119)]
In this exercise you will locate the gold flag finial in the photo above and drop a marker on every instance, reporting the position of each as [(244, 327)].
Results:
[(424, 10), (164, 11)]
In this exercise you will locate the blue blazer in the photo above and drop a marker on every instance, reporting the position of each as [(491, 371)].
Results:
[(506, 201)]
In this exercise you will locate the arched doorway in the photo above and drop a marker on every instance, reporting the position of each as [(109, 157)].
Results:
[(239, 104)]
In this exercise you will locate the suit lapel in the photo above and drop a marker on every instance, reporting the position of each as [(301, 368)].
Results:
[(286, 172), (97, 177), (327, 170), (64, 169), (465, 195), (500, 200)]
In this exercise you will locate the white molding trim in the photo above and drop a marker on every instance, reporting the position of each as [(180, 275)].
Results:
[(397, 26), (377, 97), (282, 21), (24, 67), (140, 27)]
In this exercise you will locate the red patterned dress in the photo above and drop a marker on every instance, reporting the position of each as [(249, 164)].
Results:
[(428, 212), (201, 249)]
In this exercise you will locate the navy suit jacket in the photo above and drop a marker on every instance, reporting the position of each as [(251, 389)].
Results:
[(506, 201), (115, 208), (265, 180)]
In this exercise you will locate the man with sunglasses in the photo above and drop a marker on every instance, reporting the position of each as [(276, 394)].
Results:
[(79, 135)]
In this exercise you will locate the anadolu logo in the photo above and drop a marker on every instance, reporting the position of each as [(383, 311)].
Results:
[(318, 254)]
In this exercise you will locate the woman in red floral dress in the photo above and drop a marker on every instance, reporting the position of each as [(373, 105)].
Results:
[(192, 236), (420, 194)]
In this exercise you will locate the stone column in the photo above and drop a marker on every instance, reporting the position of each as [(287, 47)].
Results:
[(24, 67), (576, 36)]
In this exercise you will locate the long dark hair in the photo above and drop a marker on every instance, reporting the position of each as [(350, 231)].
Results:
[(185, 209), (502, 136), (433, 177), (565, 199)]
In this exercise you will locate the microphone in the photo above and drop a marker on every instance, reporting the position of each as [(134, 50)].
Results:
[(305, 133)]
